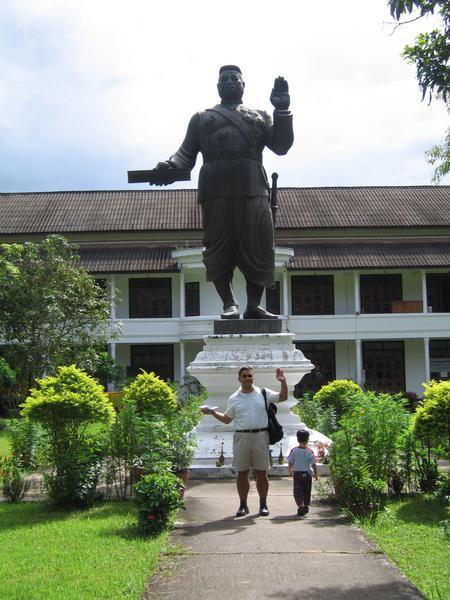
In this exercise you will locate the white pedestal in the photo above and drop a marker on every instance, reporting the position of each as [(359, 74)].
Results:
[(217, 366)]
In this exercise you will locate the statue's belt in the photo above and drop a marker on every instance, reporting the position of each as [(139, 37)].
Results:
[(230, 155)]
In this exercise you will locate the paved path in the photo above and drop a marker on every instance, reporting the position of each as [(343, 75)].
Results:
[(280, 557)]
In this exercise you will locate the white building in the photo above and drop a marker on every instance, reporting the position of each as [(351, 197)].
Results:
[(363, 275)]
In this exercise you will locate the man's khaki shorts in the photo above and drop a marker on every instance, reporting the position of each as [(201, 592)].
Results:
[(251, 451)]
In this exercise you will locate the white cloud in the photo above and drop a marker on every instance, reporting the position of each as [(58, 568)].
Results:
[(105, 85)]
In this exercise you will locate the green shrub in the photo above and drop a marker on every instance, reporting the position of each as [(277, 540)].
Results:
[(150, 395), (338, 394), (442, 489), (70, 399), (28, 442), (123, 449), (317, 416), (65, 404), (182, 441), (12, 477), (365, 453), (157, 497), (355, 488), (379, 420), (7, 375), (432, 417)]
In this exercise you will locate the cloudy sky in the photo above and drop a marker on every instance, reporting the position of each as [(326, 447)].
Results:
[(93, 88)]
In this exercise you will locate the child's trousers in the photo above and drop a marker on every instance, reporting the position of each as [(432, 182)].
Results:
[(302, 488)]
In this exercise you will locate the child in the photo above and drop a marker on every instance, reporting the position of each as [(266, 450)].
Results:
[(302, 465)]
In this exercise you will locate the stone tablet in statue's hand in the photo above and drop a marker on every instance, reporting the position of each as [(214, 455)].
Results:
[(280, 94)]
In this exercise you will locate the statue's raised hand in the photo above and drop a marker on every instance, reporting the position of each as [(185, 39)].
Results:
[(280, 94)]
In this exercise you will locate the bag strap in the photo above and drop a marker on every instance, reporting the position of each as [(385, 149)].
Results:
[(263, 392)]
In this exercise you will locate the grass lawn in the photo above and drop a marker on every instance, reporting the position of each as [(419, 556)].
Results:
[(74, 555), (414, 534)]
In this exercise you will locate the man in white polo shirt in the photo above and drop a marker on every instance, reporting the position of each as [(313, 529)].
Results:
[(251, 438)]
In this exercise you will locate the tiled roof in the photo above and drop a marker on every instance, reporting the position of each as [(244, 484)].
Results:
[(132, 259), (308, 256), (370, 255), (421, 206), (177, 210)]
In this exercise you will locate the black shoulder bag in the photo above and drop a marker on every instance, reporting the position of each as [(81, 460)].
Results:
[(275, 429)]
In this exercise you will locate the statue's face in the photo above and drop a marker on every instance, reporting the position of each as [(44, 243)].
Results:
[(230, 86)]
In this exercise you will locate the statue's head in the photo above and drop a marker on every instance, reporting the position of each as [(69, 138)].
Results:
[(230, 85)]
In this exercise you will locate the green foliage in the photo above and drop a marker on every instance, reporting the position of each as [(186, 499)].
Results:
[(7, 375), (123, 449), (338, 394), (74, 483), (439, 155), (150, 395), (107, 370), (51, 311), (12, 478), (65, 404), (432, 418), (182, 442), (354, 486), (157, 497), (442, 489), (430, 53), (366, 448), (28, 442), (378, 420), (70, 398), (317, 416)]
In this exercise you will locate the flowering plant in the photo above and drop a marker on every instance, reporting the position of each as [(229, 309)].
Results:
[(158, 497)]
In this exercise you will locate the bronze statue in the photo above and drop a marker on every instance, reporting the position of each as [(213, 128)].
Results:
[(233, 190)]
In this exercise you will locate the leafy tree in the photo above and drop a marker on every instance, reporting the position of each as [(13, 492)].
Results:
[(51, 310), (431, 54)]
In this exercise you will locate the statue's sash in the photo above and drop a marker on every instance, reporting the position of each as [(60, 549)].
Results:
[(233, 117)]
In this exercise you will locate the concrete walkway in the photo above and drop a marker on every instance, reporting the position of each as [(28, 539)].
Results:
[(280, 557)]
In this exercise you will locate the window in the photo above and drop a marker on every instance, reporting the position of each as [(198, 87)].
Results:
[(440, 359), (152, 357), (438, 292), (150, 298), (322, 356), (378, 292), (313, 295), (384, 365), (192, 298), (273, 298)]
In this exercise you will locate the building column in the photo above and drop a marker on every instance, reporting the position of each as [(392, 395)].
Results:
[(182, 296), (426, 346), (112, 352), (359, 365), (285, 292), (424, 292), (112, 297), (182, 361), (357, 293)]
